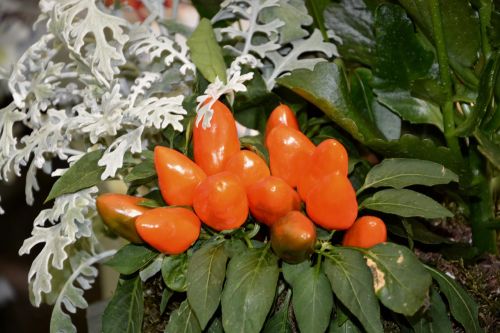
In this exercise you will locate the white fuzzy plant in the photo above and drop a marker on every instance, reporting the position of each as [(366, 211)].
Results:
[(73, 89)]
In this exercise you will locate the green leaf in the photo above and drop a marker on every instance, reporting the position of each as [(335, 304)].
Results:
[(488, 148), (174, 270), (363, 100), (353, 22), (83, 174), (462, 306), (352, 283), (131, 258), (399, 278), (312, 297), (342, 323), (293, 14), (434, 319), (316, 9), (206, 52), (207, 8), (205, 277), (249, 290), (165, 297), (417, 231), (215, 326), (326, 87), (124, 312), (142, 171), (400, 57), (279, 322), (406, 203), (183, 320), (411, 146), (402, 172), (412, 109)]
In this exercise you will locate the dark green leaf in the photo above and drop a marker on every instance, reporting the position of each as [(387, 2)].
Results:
[(352, 283), (486, 86), (143, 170), (279, 322), (400, 280), (173, 270), (234, 247), (412, 109), (249, 290), (124, 312), (83, 174), (417, 231), (205, 277), (326, 87), (462, 306), (353, 22), (207, 8), (183, 320), (293, 14), (206, 52), (363, 100), (316, 10), (406, 203), (342, 323), (401, 58), (131, 258), (312, 297), (215, 326), (402, 172), (488, 148), (435, 319), (165, 297)]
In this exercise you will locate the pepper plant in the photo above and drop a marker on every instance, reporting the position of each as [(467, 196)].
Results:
[(410, 88)]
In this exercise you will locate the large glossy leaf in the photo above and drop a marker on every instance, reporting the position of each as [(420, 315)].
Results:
[(406, 203), (352, 284), (412, 109), (312, 296), (403, 172), (174, 271), (205, 277), (206, 52), (353, 22), (411, 146), (364, 100), (131, 258), (249, 290), (463, 308), (183, 320), (400, 57), (83, 174), (124, 312), (279, 322), (400, 280), (434, 320), (326, 87)]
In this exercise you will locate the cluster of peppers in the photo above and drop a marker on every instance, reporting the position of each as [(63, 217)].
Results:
[(224, 183)]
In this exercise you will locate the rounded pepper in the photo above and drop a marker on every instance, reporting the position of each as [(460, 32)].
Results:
[(366, 232)]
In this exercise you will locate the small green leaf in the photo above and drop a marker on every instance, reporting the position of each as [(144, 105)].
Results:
[(406, 203), (316, 10), (144, 170), (124, 312), (206, 52), (173, 270), (165, 297), (279, 322), (399, 278), (352, 283), (131, 258), (409, 108), (83, 174), (205, 277), (326, 87), (183, 320), (463, 308), (402, 172), (312, 296), (249, 290), (434, 319)]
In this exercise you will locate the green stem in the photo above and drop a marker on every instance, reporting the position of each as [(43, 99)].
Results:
[(445, 76)]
